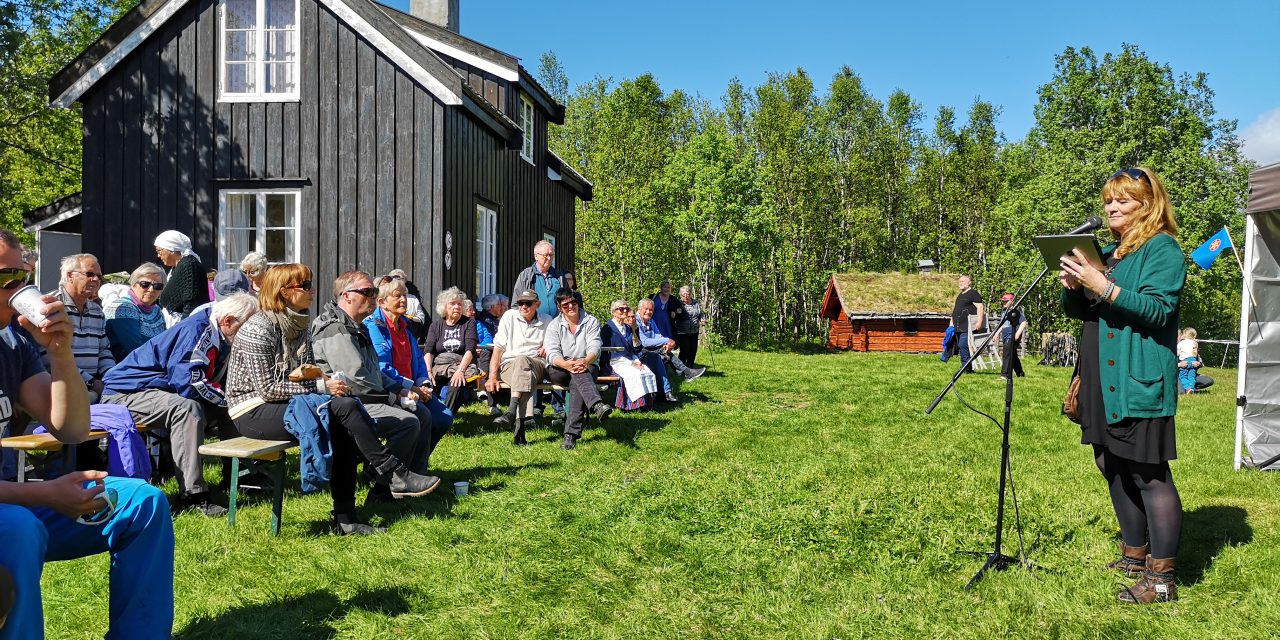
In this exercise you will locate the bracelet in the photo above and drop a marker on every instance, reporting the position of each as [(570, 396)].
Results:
[(1106, 295)]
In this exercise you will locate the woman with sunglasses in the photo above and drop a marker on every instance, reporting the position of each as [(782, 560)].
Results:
[(135, 317), (450, 346), (188, 285), (627, 362), (1127, 368), (268, 348)]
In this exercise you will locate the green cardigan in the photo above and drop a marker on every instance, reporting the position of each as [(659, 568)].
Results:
[(1138, 332)]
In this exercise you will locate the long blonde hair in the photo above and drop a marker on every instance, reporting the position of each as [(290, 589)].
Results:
[(1154, 217)]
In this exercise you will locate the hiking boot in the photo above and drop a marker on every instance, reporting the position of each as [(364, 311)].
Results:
[(407, 484), (694, 373), (1156, 584), (200, 502), (1132, 562), (570, 442), (601, 411)]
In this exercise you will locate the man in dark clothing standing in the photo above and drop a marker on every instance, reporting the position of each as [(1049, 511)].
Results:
[(968, 303), (1011, 332)]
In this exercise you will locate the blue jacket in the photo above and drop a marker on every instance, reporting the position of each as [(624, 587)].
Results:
[(307, 420), (181, 360), (651, 335), (380, 333), (611, 337)]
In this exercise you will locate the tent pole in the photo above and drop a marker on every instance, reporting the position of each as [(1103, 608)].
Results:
[(1246, 305)]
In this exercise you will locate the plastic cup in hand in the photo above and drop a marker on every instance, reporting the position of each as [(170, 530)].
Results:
[(101, 516), (29, 302), (461, 489)]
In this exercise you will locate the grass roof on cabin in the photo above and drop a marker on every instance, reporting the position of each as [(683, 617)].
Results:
[(897, 293)]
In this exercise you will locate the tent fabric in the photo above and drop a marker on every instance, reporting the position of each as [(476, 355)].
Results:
[(1264, 190), (1258, 418)]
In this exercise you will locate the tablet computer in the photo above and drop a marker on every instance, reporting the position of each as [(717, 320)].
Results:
[(1055, 246)]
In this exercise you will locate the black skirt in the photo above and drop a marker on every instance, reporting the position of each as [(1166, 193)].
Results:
[(1146, 440)]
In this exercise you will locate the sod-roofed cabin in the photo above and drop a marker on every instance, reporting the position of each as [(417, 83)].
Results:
[(888, 311)]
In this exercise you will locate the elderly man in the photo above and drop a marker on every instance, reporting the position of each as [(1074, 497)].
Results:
[(659, 347), (81, 277), (543, 278), (174, 381), (344, 349), (38, 520), (968, 303), (492, 307), (519, 358)]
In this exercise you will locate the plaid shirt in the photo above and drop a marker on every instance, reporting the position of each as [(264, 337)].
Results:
[(89, 342)]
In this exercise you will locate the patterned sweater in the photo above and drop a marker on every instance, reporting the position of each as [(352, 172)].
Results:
[(128, 327), (254, 377)]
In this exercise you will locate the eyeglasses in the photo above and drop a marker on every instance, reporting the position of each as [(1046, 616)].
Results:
[(89, 275), (252, 274), (623, 309), (11, 279), (148, 285), (367, 292), (545, 255), (525, 303), (1134, 174), (305, 285)]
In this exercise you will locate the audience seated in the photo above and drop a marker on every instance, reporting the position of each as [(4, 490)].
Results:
[(174, 382), (267, 373), (245, 277), (135, 318), (519, 360), (450, 346), (188, 284), (492, 307), (39, 519), (77, 289), (572, 345), (398, 352), (658, 346), (627, 361), (414, 312)]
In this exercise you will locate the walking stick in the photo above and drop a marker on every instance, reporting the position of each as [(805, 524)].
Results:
[(702, 331)]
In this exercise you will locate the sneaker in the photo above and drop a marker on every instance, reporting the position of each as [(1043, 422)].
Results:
[(694, 373), (601, 411), (495, 411), (570, 442), (256, 481), (407, 484)]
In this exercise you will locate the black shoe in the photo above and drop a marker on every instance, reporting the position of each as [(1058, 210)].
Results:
[(670, 397), (694, 374), (570, 442), (352, 526), (407, 484), (200, 502), (602, 411), (504, 420), (379, 494), (494, 411)]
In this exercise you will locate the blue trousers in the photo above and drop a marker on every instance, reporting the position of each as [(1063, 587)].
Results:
[(659, 369), (139, 538)]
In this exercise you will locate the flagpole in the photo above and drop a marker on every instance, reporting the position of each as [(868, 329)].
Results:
[(1247, 289)]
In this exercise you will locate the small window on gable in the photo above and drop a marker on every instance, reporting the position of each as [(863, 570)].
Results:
[(526, 125), (265, 221), (258, 50)]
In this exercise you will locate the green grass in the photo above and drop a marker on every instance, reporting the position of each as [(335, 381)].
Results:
[(793, 496)]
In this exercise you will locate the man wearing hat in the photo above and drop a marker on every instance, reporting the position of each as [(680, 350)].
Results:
[(1011, 332), (520, 360)]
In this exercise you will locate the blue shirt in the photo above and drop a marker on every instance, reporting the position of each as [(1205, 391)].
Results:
[(545, 285), (19, 360), (661, 316)]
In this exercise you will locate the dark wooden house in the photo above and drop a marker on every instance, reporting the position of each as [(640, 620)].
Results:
[(888, 311), (343, 134)]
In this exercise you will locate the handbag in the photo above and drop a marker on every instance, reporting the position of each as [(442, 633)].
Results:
[(1071, 401)]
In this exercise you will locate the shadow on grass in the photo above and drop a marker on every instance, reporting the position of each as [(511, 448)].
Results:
[(304, 616), (1205, 533)]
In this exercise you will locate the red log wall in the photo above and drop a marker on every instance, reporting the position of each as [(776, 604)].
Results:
[(886, 334)]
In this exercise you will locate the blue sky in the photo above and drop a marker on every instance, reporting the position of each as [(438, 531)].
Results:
[(941, 53)]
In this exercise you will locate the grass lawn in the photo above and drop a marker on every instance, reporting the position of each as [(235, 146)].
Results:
[(791, 496)]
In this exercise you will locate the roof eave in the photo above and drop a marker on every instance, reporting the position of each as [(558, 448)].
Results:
[(579, 184)]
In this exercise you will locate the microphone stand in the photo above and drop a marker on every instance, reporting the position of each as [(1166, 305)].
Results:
[(996, 559)]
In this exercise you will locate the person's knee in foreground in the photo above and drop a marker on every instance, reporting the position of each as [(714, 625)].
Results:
[(1128, 380), (274, 365), (519, 360), (39, 520), (573, 343)]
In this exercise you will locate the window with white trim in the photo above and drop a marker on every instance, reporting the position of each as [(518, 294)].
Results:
[(258, 220), (486, 251), (547, 236), (526, 125), (258, 50)]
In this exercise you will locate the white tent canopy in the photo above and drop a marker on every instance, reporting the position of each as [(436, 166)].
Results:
[(1258, 382)]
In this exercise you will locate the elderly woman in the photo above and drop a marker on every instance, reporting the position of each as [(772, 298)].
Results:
[(492, 306), (687, 325), (272, 365), (450, 346), (638, 382), (188, 285), (246, 277), (134, 317), (399, 355), (573, 344)]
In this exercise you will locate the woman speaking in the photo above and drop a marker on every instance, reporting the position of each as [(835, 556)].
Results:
[(1128, 380)]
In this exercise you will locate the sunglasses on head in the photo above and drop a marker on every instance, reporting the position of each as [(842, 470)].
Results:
[(148, 285), (305, 285), (367, 292), (1134, 174), (13, 278)]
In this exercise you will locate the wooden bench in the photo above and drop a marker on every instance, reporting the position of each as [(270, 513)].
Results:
[(46, 443), (267, 455)]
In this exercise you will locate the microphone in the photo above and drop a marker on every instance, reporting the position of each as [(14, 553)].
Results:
[(1085, 227)]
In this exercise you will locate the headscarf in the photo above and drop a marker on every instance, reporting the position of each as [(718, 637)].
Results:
[(175, 241)]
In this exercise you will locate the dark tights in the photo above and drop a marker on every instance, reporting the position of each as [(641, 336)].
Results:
[(1145, 501)]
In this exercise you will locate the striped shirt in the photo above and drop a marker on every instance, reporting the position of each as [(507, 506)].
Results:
[(89, 342)]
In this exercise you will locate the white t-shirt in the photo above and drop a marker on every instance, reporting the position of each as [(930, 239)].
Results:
[(1188, 348), (519, 338)]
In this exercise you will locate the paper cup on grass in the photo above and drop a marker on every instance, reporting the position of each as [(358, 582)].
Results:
[(461, 489), (29, 301)]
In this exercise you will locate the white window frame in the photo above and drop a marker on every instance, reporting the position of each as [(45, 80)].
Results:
[(486, 250), (547, 236), (259, 65), (527, 121), (225, 261)]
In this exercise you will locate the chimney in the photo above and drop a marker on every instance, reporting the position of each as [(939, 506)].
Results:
[(442, 13)]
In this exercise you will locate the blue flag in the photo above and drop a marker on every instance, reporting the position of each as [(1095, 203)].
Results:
[(1208, 252)]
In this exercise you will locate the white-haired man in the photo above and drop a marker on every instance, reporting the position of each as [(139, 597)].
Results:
[(174, 381), (77, 288)]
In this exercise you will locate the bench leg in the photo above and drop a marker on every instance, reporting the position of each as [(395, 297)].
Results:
[(235, 489), (22, 465), (277, 495)]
